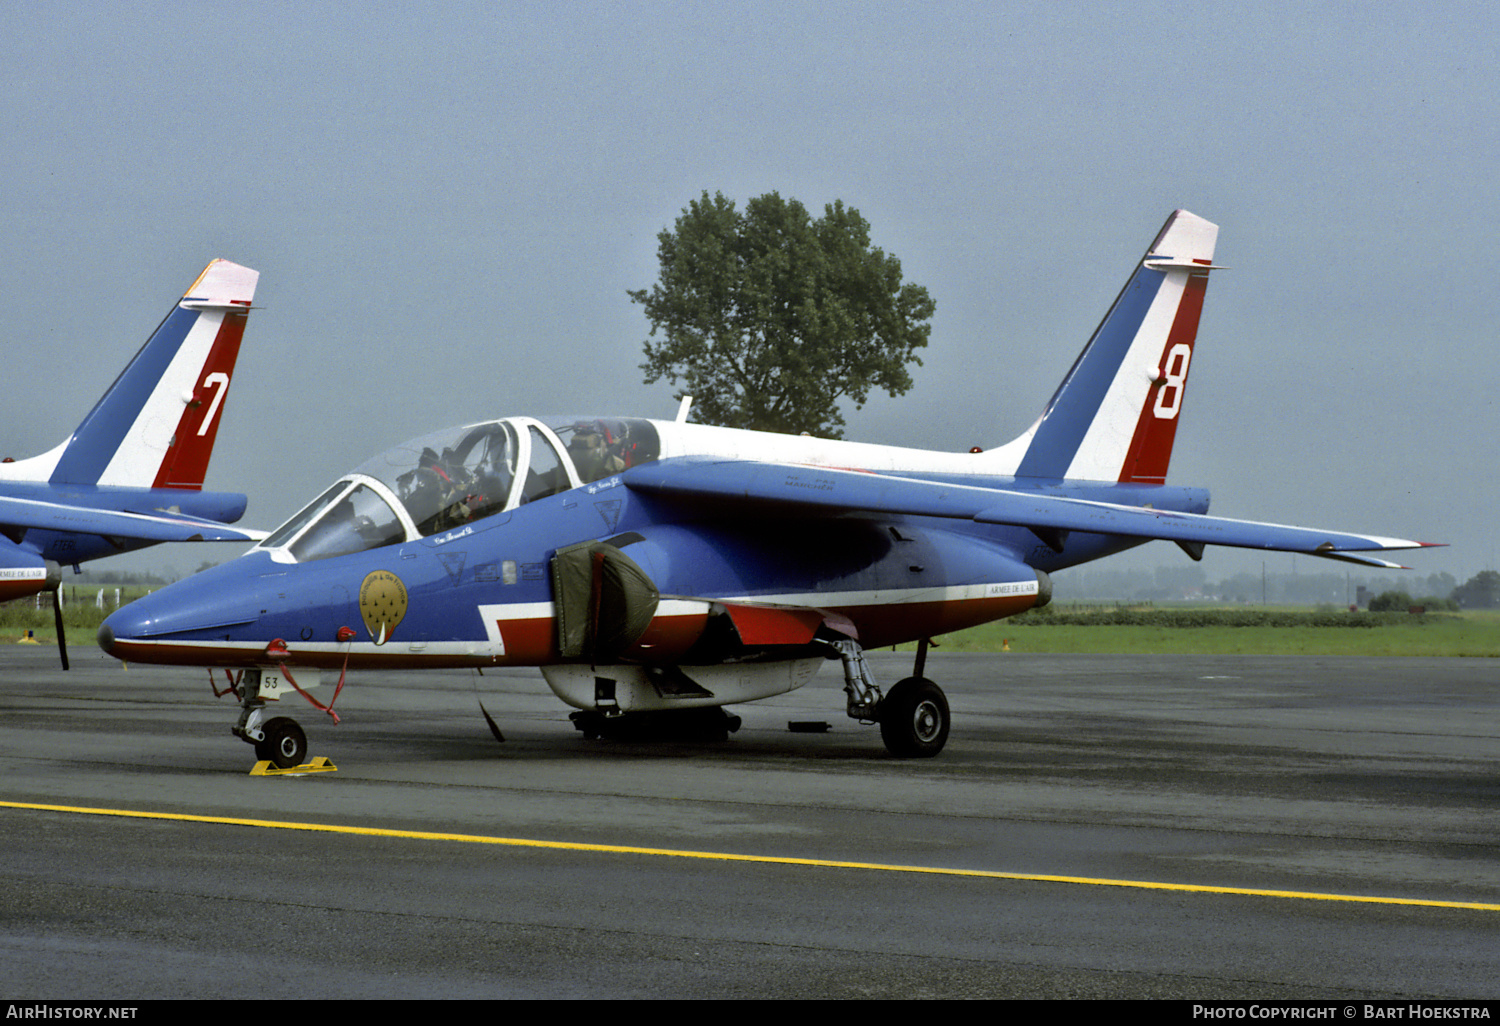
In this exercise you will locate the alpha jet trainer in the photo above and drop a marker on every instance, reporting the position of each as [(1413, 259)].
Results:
[(659, 567)]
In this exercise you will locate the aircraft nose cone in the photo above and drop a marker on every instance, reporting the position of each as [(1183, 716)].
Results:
[(122, 627), (188, 623)]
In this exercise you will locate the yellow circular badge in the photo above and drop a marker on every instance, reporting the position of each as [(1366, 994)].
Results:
[(382, 604)]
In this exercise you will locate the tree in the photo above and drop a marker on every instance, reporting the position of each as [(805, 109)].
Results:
[(1391, 602), (768, 318), (1482, 591)]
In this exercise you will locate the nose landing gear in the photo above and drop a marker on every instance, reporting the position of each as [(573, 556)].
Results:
[(279, 740)]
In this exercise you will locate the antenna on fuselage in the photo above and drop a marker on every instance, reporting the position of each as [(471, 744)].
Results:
[(683, 408)]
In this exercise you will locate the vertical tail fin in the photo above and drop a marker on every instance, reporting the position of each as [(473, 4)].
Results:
[(156, 425), (1114, 417)]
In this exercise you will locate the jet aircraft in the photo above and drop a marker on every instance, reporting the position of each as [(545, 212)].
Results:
[(654, 568), (132, 474)]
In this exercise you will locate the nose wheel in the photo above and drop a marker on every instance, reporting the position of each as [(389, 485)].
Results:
[(284, 745)]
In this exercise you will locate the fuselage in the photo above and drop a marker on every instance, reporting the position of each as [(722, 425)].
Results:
[(440, 552)]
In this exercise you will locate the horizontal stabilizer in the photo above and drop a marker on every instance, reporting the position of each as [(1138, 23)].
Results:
[(56, 516)]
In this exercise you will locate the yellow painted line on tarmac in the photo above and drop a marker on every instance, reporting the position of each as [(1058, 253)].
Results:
[(778, 860)]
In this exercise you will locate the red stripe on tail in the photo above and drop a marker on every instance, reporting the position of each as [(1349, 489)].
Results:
[(186, 461), (1151, 445)]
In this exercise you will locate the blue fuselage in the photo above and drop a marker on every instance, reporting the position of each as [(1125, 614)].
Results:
[(896, 578)]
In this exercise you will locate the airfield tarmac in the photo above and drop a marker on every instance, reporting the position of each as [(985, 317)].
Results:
[(1303, 780)]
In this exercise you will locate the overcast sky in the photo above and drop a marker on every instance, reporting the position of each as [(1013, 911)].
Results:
[(448, 202)]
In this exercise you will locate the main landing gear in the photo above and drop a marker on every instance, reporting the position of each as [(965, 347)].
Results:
[(913, 718)]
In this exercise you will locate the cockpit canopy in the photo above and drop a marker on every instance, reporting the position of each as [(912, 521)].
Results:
[(458, 476)]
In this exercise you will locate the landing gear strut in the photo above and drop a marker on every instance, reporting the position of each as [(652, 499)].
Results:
[(913, 718)]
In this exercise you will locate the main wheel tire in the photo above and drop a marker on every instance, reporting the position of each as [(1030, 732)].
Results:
[(285, 744), (914, 719)]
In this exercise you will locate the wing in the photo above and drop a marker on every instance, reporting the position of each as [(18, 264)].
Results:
[(817, 488), (57, 516)]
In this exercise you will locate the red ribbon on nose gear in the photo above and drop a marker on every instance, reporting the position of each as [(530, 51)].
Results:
[(234, 682), (315, 703), (278, 647)]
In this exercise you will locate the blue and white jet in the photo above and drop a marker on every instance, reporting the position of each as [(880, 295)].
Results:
[(132, 474), (664, 569)]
